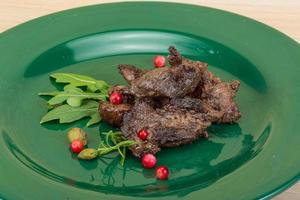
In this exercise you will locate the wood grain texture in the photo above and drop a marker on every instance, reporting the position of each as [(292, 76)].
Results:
[(283, 15)]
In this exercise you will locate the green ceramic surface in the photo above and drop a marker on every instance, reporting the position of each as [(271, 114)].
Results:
[(256, 158)]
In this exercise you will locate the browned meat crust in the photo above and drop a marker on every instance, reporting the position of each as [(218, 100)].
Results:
[(130, 72), (174, 104), (167, 82), (113, 114), (168, 127), (216, 96)]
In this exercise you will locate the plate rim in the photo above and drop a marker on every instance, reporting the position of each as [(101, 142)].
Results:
[(266, 195)]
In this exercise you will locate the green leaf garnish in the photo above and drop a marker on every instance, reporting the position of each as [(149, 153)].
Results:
[(66, 113), (74, 103), (80, 80), (73, 95), (95, 118), (79, 99)]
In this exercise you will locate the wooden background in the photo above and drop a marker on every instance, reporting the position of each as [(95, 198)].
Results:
[(283, 15)]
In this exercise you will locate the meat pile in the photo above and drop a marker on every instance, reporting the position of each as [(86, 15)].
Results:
[(174, 104)]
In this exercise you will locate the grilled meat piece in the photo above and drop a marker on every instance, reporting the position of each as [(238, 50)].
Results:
[(217, 97), (164, 82), (219, 100), (160, 102), (167, 82), (131, 72), (113, 114), (174, 104), (174, 58), (187, 103), (168, 126)]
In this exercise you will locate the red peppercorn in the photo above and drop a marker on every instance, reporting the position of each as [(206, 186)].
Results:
[(162, 172), (159, 61), (116, 98), (148, 160), (143, 134), (77, 146)]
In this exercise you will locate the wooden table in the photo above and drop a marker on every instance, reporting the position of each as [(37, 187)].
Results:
[(283, 15)]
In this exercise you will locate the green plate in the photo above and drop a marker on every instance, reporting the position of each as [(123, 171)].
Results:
[(256, 158)]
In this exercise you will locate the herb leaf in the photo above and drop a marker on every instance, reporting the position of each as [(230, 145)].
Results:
[(66, 113), (95, 118), (79, 98), (48, 93), (80, 80), (73, 96), (115, 141)]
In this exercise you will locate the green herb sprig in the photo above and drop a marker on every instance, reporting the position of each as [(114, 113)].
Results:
[(79, 99), (74, 102), (119, 144), (114, 142), (76, 80)]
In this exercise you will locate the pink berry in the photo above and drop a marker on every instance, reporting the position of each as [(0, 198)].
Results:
[(143, 134), (162, 172), (77, 146), (148, 160), (159, 61), (116, 98)]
